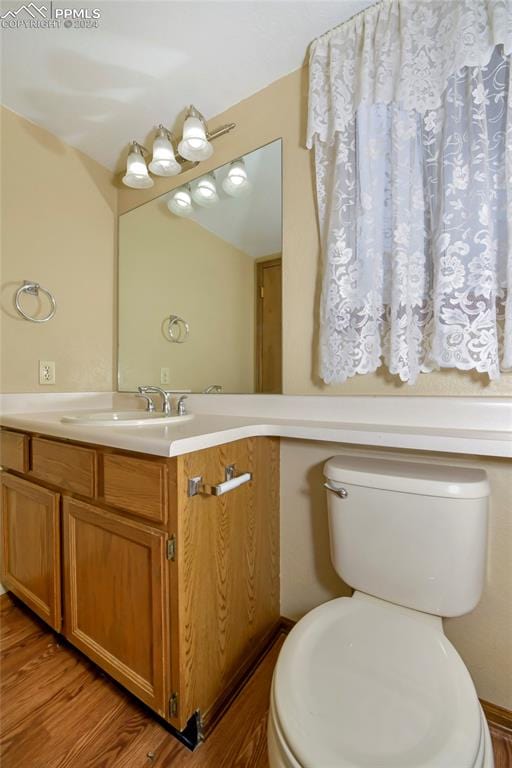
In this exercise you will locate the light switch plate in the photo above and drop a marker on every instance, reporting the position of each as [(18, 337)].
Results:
[(165, 376), (46, 372)]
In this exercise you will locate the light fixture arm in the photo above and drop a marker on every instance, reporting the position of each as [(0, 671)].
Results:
[(220, 131)]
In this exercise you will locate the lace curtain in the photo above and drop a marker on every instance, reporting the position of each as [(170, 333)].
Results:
[(411, 121)]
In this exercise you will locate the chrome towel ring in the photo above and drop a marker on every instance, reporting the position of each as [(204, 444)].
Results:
[(33, 289), (177, 329)]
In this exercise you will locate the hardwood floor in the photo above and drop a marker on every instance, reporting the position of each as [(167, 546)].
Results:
[(502, 744), (59, 711)]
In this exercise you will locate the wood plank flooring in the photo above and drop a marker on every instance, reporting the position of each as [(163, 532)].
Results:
[(57, 710), (502, 744)]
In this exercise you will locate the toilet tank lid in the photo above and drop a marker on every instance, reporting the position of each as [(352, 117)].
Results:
[(409, 477)]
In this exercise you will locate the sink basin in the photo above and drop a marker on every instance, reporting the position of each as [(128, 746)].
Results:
[(123, 418)]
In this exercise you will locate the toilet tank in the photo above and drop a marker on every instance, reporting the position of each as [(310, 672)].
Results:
[(410, 533)]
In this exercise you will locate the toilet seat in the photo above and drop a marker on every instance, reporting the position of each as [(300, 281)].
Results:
[(362, 682)]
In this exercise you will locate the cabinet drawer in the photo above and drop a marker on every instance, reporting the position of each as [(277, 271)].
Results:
[(137, 485), (14, 451), (68, 466)]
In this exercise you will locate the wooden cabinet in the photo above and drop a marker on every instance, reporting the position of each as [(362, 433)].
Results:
[(116, 596), (31, 546), (13, 451), (228, 568), (71, 467), (136, 485), (176, 596)]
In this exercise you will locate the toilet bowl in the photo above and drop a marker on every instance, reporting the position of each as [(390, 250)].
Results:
[(372, 680), (363, 683)]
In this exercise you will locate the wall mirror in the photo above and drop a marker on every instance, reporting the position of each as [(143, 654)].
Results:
[(199, 304)]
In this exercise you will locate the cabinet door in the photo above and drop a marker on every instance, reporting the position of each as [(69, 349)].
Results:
[(228, 566), (115, 598), (31, 546)]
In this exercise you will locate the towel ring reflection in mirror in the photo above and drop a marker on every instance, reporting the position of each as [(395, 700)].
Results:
[(33, 289), (177, 329)]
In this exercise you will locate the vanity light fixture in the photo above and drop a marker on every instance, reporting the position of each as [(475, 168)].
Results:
[(194, 147), (180, 202), (164, 162), (236, 182), (204, 191), (137, 175), (195, 144)]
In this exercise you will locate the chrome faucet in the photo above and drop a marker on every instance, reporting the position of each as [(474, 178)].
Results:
[(166, 400), (150, 406), (213, 388), (181, 407)]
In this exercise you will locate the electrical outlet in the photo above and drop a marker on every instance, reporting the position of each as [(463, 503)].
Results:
[(46, 372), (165, 376)]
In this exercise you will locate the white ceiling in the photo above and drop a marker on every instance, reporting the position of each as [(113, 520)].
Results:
[(99, 88)]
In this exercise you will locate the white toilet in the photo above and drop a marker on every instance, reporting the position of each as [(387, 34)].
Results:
[(372, 680)]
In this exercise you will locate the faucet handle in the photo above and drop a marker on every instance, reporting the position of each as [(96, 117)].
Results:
[(182, 408)]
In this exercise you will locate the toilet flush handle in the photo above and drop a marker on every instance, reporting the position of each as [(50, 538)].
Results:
[(341, 492)]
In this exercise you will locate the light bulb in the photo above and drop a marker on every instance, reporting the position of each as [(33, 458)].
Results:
[(236, 182), (204, 191), (237, 173), (137, 176), (164, 162), (194, 145), (180, 202)]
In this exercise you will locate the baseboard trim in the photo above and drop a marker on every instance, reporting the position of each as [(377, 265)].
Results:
[(286, 625), (497, 716)]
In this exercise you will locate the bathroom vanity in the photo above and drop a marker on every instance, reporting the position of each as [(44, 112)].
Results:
[(175, 596)]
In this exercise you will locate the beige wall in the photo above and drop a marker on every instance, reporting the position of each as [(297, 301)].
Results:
[(169, 265), (280, 111), (58, 223), (483, 637)]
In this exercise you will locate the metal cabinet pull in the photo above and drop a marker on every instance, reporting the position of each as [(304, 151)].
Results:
[(232, 481), (341, 492)]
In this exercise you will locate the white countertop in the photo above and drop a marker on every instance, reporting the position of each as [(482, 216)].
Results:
[(210, 429)]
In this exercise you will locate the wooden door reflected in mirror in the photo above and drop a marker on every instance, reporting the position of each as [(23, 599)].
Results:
[(268, 325)]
